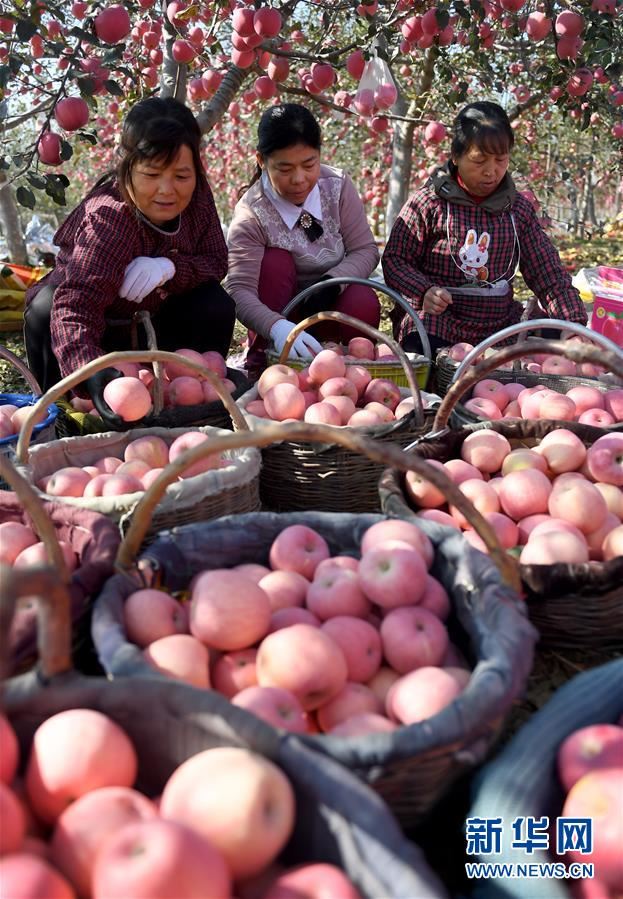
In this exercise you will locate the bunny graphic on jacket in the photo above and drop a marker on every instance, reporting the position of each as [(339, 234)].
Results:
[(474, 255)]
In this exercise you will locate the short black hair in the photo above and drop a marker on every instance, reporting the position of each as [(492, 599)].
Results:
[(485, 125), (285, 125), (155, 129)]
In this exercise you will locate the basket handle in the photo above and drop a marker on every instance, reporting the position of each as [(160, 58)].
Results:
[(610, 357), (53, 615), (386, 454), (534, 324), (106, 361), (24, 371), (35, 508), (375, 335), (144, 318), (375, 285)]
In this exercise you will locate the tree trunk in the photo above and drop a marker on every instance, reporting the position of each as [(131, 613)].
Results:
[(173, 76), (400, 175), (11, 224), (212, 111), (402, 145)]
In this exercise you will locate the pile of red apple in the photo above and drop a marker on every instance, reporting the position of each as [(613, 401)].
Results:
[(143, 460), (493, 400), (331, 391), (538, 363), (12, 418), (315, 642), (20, 547), (557, 502), (131, 396), (74, 826), (590, 769)]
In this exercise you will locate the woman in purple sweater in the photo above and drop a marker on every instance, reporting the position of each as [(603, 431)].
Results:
[(300, 222)]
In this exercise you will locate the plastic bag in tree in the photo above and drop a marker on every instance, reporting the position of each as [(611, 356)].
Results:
[(377, 90)]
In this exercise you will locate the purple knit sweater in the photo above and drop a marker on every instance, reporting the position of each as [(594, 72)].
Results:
[(346, 247)]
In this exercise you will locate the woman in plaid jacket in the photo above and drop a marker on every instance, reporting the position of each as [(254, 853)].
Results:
[(147, 236), (459, 240)]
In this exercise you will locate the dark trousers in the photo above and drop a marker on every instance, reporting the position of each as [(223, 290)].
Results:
[(200, 319), (413, 344)]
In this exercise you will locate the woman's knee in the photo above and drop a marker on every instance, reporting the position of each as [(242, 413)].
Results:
[(359, 302), (278, 278), (38, 312)]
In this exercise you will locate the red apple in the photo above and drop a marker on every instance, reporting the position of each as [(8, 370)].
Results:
[(591, 748), (597, 795), (156, 858), (112, 24), (238, 801), (275, 705), (314, 881), (71, 113)]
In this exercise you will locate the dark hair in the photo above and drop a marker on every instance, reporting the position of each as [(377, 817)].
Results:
[(484, 125), (285, 125), (155, 129)]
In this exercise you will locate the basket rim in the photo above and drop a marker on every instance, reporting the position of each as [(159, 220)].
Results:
[(243, 467), (392, 427)]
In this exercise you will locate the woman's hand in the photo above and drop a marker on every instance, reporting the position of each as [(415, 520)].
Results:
[(95, 385), (436, 300), (143, 275), (304, 347)]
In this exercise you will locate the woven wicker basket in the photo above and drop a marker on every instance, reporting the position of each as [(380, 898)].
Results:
[(560, 383), (573, 606), (412, 767), (522, 782), (339, 820), (41, 432), (391, 369), (300, 477), (215, 414), (447, 370), (93, 538), (234, 488)]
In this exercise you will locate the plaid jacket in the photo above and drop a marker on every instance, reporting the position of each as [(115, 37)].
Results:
[(97, 241), (441, 237)]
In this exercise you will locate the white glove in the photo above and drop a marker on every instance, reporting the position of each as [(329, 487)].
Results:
[(304, 347), (143, 275)]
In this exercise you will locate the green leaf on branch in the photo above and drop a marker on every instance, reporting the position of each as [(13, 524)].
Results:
[(56, 190), (113, 88), (443, 18), (86, 86), (25, 197), (25, 29), (5, 74), (5, 163), (87, 137), (66, 150), (82, 34), (15, 63), (37, 181)]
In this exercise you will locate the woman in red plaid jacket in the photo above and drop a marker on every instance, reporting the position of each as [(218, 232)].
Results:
[(146, 237), (459, 240)]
